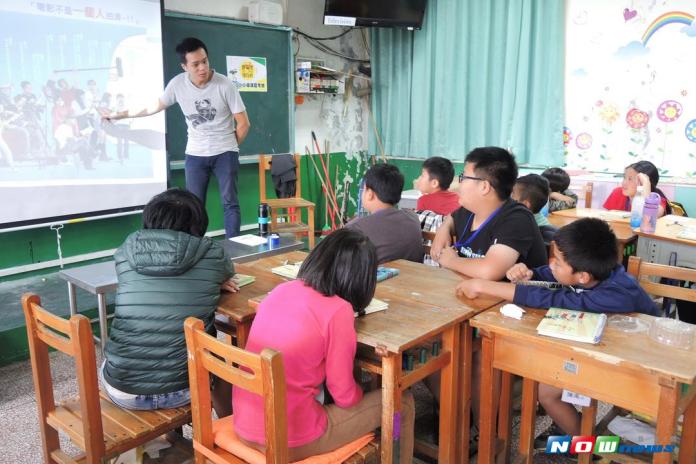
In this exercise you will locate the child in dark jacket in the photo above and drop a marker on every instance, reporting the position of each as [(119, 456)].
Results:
[(583, 275), (167, 272)]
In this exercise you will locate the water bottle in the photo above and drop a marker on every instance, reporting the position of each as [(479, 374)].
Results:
[(545, 210), (360, 210), (264, 219), (637, 207), (652, 204)]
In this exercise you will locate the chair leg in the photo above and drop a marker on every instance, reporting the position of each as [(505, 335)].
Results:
[(310, 224), (140, 454)]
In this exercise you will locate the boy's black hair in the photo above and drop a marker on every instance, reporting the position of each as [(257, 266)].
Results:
[(343, 264), (188, 45), (534, 189), (386, 181), (588, 245), (497, 166), (176, 209), (559, 180), (441, 169)]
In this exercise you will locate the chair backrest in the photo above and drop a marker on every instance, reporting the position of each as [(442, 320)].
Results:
[(584, 192), (428, 238), (74, 338), (262, 374), (265, 165), (643, 271)]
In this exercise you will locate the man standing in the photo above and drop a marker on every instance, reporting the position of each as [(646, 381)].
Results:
[(217, 123)]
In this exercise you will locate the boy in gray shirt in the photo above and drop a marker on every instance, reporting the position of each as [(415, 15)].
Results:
[(217, 123), (395, 233)]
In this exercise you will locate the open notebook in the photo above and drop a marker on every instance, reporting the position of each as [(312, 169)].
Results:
[(289, 271), (579, 326)]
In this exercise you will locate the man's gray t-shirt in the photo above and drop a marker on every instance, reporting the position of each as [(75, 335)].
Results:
[(209, 112), (395, 233)]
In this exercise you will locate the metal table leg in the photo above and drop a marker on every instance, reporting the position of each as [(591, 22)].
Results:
[(72, 301), (103, 334)]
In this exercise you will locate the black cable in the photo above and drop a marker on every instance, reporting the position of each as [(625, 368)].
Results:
[(298, 31), (329, 50)]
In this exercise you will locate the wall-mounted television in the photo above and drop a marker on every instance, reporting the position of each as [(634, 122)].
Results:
[(380, 13)]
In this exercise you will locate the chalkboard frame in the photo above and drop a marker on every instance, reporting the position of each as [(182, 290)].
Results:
[(288, 144)]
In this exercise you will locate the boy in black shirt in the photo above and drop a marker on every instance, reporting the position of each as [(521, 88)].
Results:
[(493, 231)]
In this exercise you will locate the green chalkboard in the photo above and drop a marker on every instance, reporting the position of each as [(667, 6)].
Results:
[(270, 112)]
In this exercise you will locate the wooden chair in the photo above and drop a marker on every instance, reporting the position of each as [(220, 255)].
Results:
[(584, 192), (280, 206), (264, 375), (428, 238), (95, 424), (645, 273)]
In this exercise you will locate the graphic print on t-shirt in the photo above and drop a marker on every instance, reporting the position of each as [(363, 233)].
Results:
[(467, 252), (206, 113)]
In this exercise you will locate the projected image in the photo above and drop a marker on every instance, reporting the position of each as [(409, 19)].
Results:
[(61, 64)]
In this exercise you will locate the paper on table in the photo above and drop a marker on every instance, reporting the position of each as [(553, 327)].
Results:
[(511, 310), (249, 240), (374, 306)]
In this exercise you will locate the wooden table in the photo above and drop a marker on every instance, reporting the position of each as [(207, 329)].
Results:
[(625, 235), (659, 246), (100, 278), (422, 307), (628, 370)]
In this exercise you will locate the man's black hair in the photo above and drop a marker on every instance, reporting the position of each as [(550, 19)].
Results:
[(497, 166), (188, 45), (176, 209), (588, 245), (343, 264), (534, 189), (386, 181), (441, 169), (559, 180)]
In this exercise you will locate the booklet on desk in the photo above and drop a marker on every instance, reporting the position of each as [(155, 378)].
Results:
[(289, 271), (375, 306), (244, 279), (579, 326)]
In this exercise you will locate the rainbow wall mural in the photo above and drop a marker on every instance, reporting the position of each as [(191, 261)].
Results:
[(672, 17)]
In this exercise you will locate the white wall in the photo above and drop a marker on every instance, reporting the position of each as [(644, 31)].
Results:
[(343, 119)]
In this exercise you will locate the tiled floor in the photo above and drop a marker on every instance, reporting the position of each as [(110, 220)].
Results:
[(21, 442)]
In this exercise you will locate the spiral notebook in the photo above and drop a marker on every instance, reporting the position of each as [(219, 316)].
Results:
[(579, 326)]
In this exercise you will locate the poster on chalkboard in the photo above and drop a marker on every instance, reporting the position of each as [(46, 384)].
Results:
[(248, 73)]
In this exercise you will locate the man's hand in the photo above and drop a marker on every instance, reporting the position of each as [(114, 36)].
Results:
[(108, 116), (230, 285), (470, 288), (519, 273)]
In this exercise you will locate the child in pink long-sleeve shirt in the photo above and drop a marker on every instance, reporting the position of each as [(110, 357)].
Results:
[(311, 322)]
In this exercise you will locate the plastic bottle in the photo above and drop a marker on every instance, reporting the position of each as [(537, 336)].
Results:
[(652, 204), (637, 207), (264, 219)]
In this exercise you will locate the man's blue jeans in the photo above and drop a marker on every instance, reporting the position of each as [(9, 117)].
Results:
[(225, 166)]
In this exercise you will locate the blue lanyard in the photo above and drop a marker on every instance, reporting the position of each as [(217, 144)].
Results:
[(468, 241)]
